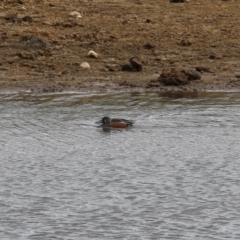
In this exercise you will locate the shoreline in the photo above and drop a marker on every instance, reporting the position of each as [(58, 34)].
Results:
[(133, 90)]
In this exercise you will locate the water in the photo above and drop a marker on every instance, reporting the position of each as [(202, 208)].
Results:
[(174, 175)]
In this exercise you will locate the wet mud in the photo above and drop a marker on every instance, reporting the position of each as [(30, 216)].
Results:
[(42, 47)]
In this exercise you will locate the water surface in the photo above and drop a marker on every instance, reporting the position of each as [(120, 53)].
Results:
[(174, 175)]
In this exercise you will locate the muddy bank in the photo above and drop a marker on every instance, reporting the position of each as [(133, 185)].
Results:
[(42, 47)]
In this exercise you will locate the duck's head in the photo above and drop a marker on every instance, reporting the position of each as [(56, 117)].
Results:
[(104, 120)]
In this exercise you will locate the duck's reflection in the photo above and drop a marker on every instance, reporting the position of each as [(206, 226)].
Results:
[(110, 130)]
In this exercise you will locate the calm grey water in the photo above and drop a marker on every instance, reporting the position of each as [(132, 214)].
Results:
[(174, 175)]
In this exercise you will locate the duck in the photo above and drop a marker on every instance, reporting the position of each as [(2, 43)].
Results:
[(115, 122)]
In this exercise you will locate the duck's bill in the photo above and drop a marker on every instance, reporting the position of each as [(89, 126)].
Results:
[(99, 122)]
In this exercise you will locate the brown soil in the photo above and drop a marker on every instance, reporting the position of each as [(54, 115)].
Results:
[(42, 48)]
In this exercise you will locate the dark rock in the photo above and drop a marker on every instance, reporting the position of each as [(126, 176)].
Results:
[(192, 74), (127, 67), (136, 63), (4, 36), (212, 56), (27, 19), (36, 42), (150, 21), (149, 46), (237, 75), (185, 43), (177, 1), (33, 42), (173, 77)]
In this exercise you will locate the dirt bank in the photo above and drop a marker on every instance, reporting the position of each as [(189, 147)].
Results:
[(42, 48)]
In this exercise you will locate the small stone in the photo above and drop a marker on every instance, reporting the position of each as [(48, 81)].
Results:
[(92, 54), (185, 43), (149, 46), (212, 56), (237, 75), (136, 63), (27, 19), (85, 65), (65, 72), (33, 42), (177, 1), (127, 67), (75, 14)]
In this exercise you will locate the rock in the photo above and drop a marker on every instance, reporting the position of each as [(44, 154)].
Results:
[(136, 63), (177, 1), (27, 19), (173, 77), (36, 42), (75, 14), (4, 36), (127, 67), (185, 43), (237, 75), (33, 42), (214, 56), (149, 46), (92, 54), (85, 65), (192, 74)]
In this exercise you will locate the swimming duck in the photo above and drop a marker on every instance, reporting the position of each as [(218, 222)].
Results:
[(115, 122)]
